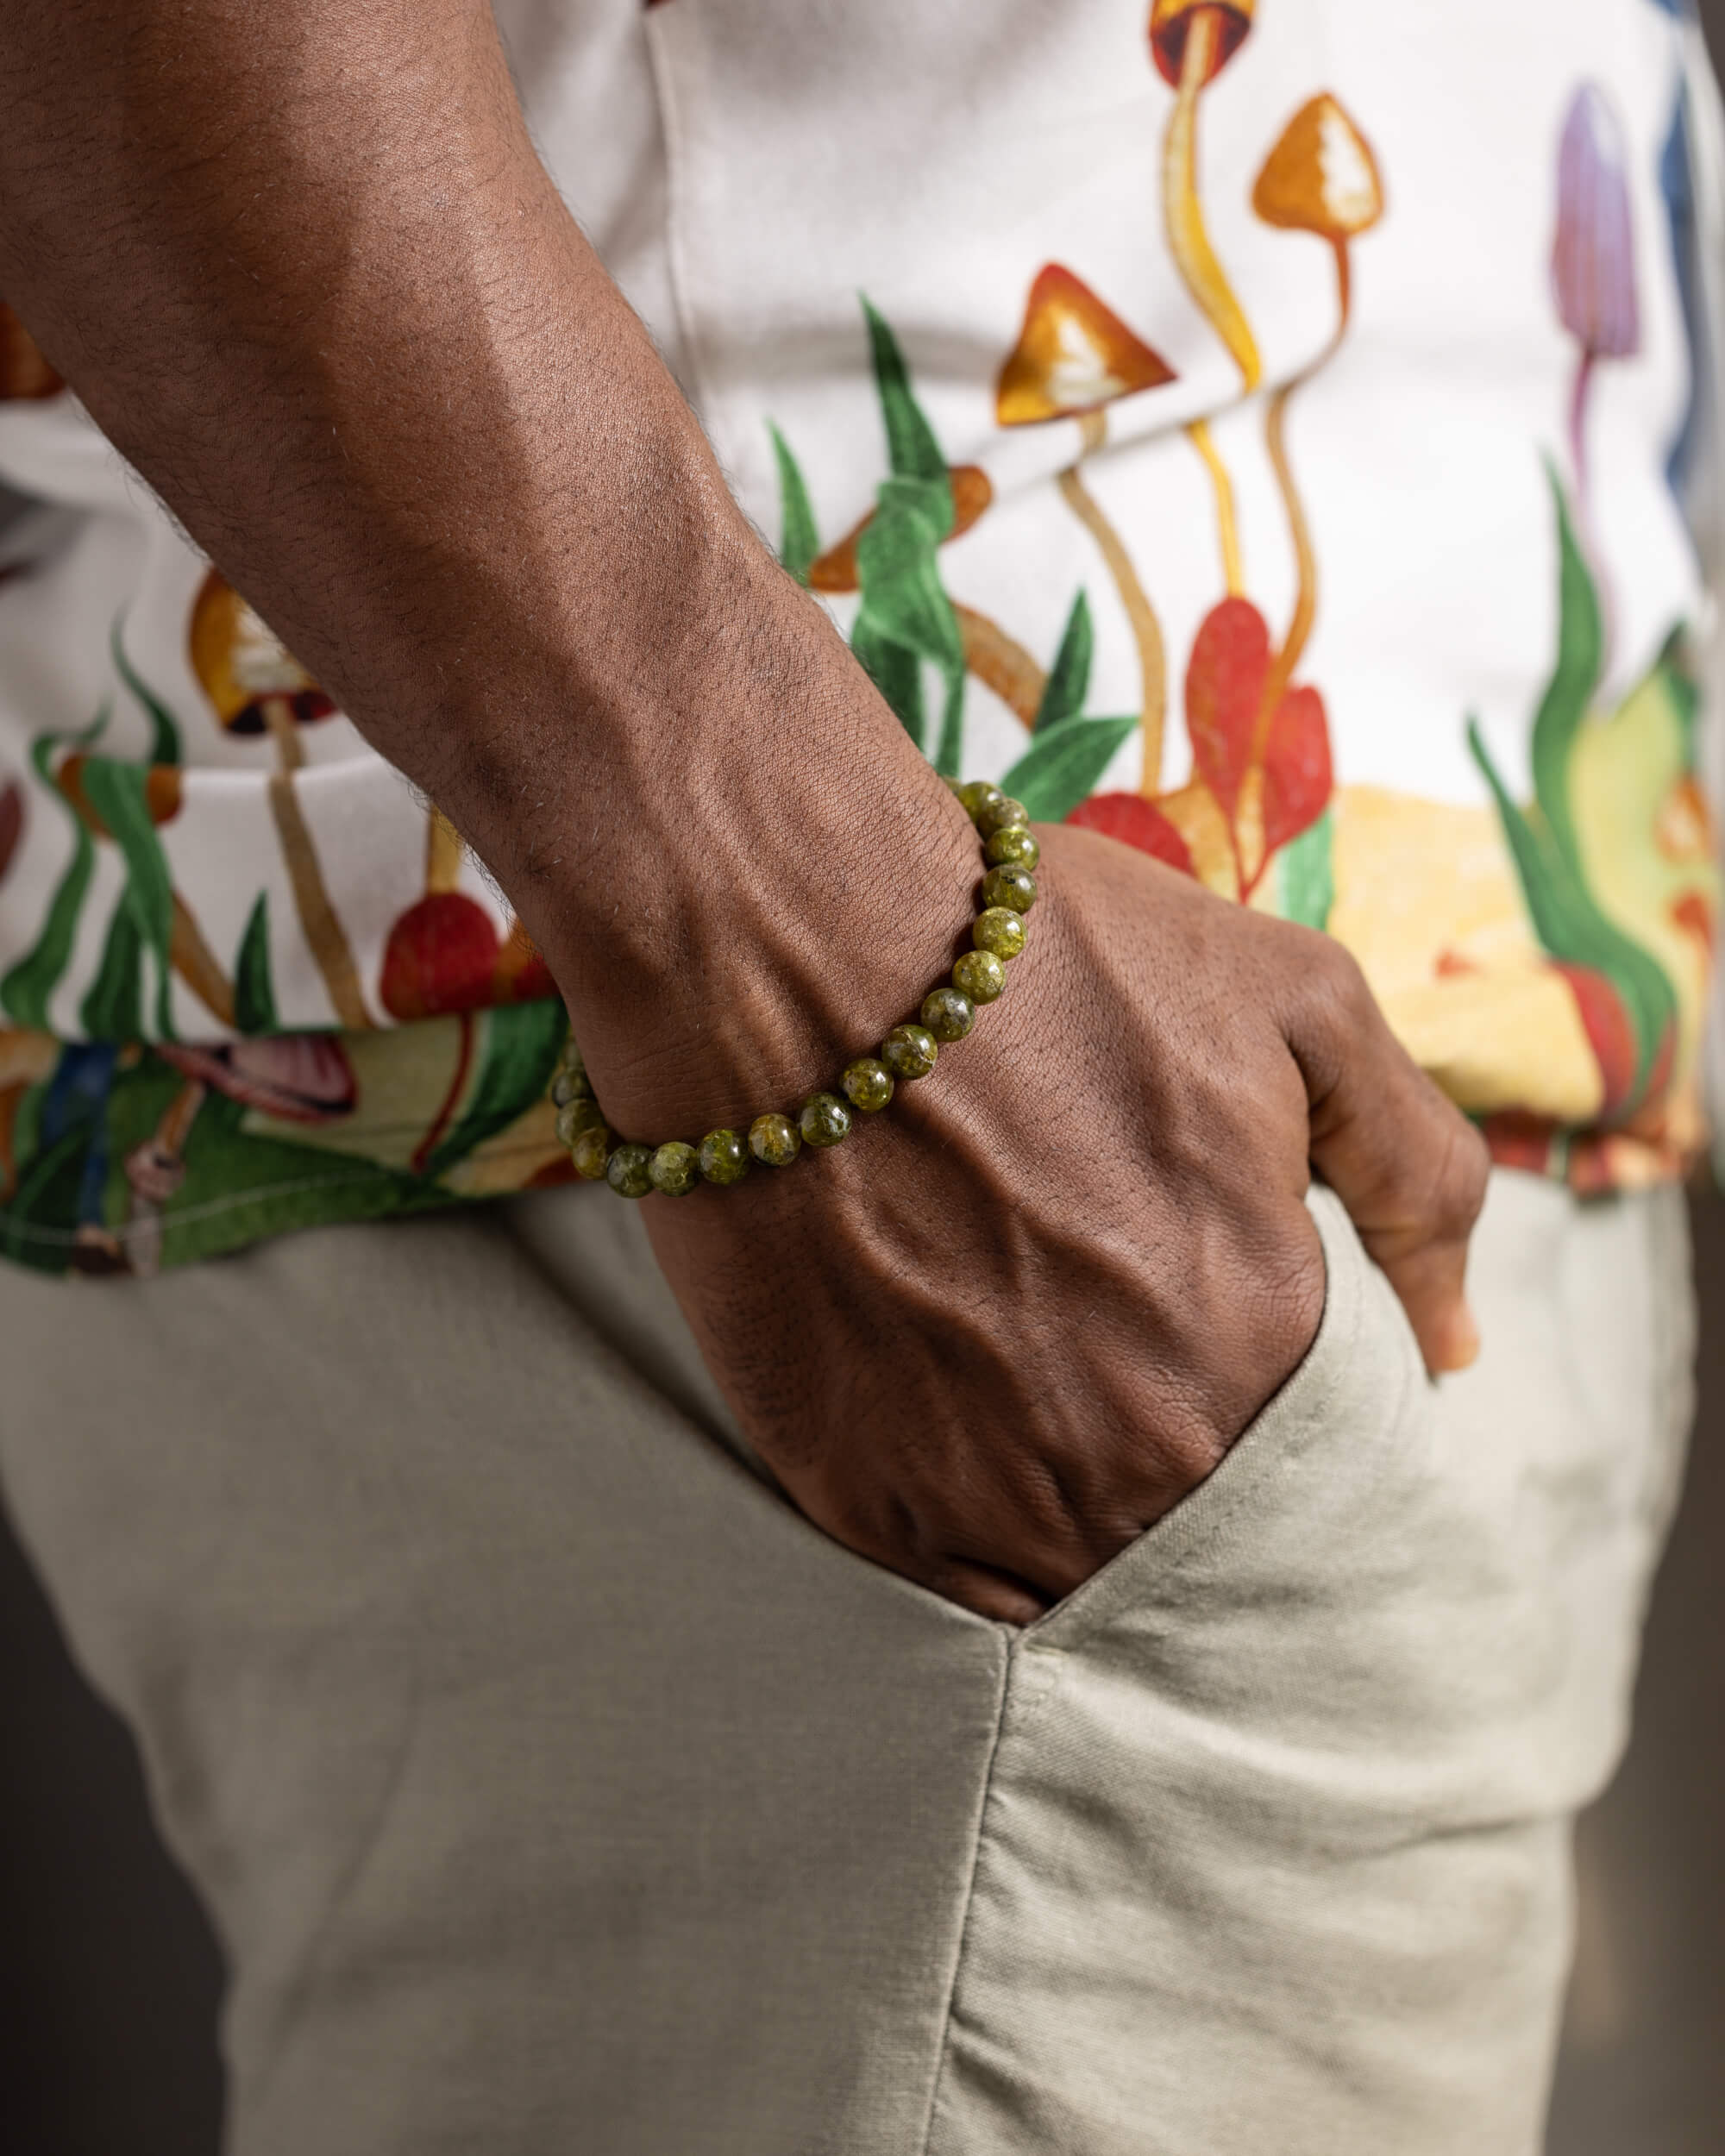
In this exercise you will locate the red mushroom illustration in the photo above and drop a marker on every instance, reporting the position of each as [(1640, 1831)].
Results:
[(1073, 358), (24, 374), (1320, 178), (256, 686)]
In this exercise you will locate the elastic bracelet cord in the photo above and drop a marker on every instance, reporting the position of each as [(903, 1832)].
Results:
[(1010, 853)]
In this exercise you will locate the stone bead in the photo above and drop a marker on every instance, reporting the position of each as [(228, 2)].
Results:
[(999, 930), (674, 1168), (1016, 842), (1001, 814), (571, 1085), (577, 1116), (1010, 886), (723, 1156), (947, 1014), (590, 1152), (774, 1140), (628, 1170), (825, 1120), (867, 1084), (908, 1052), (977, 795), (979, 975)]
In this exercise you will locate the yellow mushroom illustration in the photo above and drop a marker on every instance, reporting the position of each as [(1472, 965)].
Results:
[(1073, 358), (257, 687), (1191, 41), (1320, 177)]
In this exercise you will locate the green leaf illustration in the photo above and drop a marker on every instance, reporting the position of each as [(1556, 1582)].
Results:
[(1069, 679), (27, 986), (799, 541), (1574, 678), (895, 671), (912, 449), (1306, 876), (118, 793), (1063, 764), (112, 1010), (1570, 924), (518, 1056), (165, 745), (253, 982)]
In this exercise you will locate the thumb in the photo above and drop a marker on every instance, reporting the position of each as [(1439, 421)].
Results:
[(1408, 1166)]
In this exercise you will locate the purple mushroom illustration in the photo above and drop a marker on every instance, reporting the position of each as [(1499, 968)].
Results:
[(1593, 274)]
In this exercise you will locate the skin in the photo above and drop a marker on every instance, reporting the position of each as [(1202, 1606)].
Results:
[(305, 269)]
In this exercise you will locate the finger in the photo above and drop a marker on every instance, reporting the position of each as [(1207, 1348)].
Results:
[(1405, 1161), (989, 1593)]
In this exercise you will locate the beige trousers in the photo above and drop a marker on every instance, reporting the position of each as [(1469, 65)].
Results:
[(556, 1787)]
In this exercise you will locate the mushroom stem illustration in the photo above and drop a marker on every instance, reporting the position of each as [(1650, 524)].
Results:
[(317, 916), (1001, 662), (1146, 630), (257, 687), (1593, 282), (1074, 357), (1227, 525), (1320, 177), (1195, 42)]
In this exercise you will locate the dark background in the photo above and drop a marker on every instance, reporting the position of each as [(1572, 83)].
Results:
[(110, 1984)]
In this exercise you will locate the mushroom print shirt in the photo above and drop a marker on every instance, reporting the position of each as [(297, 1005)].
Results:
[(1255, 429)]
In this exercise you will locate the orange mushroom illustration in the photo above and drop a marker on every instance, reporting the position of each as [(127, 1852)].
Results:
[(1320, 178), (24, 374), (1073, 358), (256, 686)]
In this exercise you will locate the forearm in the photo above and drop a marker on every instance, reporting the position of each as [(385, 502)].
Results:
[(306, 271)]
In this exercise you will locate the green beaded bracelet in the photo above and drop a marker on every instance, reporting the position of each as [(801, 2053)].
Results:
[(1010, 852)]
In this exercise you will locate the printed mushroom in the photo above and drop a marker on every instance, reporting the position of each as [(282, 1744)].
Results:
[(1593, 277), (1320, 178), (443, 954), (1073, 358), (1192, 41), (256, 686)]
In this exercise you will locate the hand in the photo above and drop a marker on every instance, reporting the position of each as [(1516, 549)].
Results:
[(1007, 1325)]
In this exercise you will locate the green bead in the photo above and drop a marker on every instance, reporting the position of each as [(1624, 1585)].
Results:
[(723, 1156), (570, 1056), (774, 1140), (1010, 886), (576, 1117), (977, 795), (571, 1085), (867, 1084), (1003, 813), (979, 975), (999, 930), (825, 1120), (590, 1152), (908, 1052), (628, 1170), (674, 1169), (947, 1014), (1016, 842)]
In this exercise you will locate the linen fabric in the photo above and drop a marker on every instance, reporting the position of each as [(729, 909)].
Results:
[(553, 1784), (1255, 431)]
